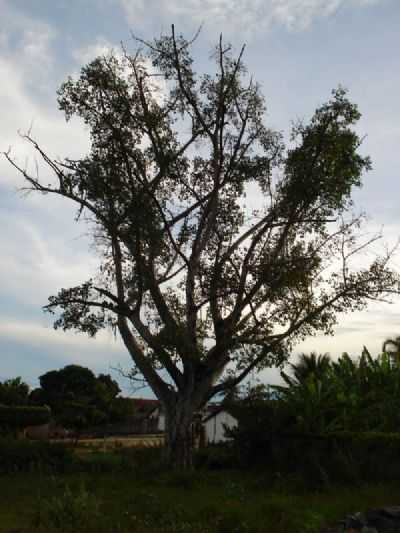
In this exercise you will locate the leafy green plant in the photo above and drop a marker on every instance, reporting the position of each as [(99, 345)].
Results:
[(348, 394), (27, 456), (71, 511), (18, 417)]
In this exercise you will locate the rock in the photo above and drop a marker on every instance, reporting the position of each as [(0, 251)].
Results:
[(355, 521), (386, 519), (382, 520)]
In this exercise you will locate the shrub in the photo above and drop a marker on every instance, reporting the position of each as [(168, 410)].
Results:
[(216, 457), (348, 457), (27, 456), (17, 417), (319, 460), (71, 511)]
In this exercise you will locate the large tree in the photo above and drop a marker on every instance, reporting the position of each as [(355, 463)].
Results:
[(219, 247)]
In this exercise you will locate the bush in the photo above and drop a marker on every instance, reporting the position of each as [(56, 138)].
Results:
[(319, 460), (16, 417), (341, 457), (71, 511), (258, 432), (216, 457), (27, 456), (373, 455)]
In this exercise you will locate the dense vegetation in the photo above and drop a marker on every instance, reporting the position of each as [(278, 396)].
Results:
[(79, 399), (347, 394), (71, 397), (296, 458), (129, 492), (331, 421)]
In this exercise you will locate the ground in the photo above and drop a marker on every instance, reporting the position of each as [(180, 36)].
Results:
[(141, 499)]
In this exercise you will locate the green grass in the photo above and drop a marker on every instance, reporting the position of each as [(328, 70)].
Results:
[(204, 502)]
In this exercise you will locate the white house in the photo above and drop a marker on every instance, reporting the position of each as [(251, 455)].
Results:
[(215, 422), (159, 415)]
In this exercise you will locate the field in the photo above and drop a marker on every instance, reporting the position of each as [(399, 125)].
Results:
[(137, 496)]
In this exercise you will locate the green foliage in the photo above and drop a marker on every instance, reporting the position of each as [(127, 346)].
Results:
[(312, 365), (350, 457), (206, 502), (333, 421), (261, 419), (317, 461), (78, 398), (71, 511), (216, 457), (21, 416), (26, 456), (346, 394), (120, 409), (14, 392), (134, 506)]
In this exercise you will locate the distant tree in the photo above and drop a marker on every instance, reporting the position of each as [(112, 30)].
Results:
[(77, 397), (107, 389), (360, 394), (71, 381), (392, 347), (204, 286), (14, 419), (16, 409), (14, 392), (308, 365), (121, 410)]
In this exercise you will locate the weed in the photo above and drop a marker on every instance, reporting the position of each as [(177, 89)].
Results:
[(71, 511)]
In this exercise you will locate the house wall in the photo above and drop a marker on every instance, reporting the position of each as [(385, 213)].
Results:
[(214, 427), (161, 422)]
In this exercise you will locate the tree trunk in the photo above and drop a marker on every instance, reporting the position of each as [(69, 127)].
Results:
[(179, 437)]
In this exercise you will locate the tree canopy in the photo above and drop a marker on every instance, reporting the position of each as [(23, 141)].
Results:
[(77, 397), (219, 246), (359, 394), (14, 391)]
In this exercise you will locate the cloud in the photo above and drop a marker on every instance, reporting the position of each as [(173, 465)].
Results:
[(30, 75), (36, 263), (362, 328), (85, 54), (38, 254), (245, 16), (26, 42), (30, 349), (37, 335)]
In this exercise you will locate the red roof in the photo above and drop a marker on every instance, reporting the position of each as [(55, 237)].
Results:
[(144, 406)]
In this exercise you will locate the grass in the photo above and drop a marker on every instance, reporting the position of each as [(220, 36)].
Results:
[(147, 500)]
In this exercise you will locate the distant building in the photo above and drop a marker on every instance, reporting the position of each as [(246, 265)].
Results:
[(148, 416), (216, 419), (210, 428)]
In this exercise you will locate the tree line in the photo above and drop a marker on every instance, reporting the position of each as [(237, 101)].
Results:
[(331, 420), (321, 395), (76, 398)]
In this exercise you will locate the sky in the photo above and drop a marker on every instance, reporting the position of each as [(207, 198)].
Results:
[(298, 50)]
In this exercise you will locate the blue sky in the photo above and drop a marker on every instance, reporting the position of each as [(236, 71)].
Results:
[(299, 50)]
